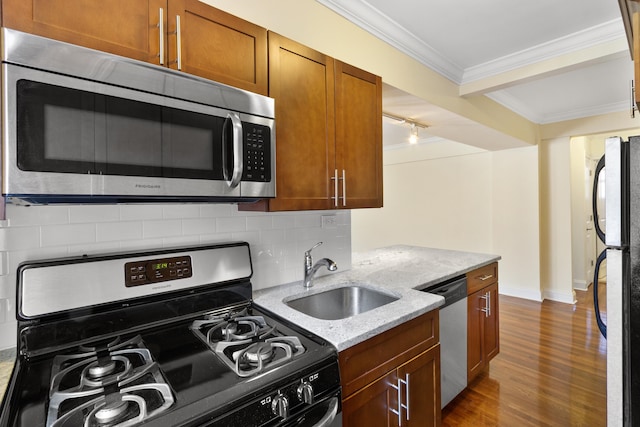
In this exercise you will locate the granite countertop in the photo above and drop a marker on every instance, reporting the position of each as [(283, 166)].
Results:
[(7, 360), (400, 271)]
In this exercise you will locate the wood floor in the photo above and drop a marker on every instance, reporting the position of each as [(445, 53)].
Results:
[(551, 370)]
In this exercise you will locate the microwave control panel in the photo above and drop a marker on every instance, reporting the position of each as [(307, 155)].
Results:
[(257, 153), (158, 270)]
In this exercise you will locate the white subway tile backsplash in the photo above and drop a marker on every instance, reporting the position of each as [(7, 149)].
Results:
[(140, 212), (181, 211), (308, 220), (218, 210), (93, 248), (4, 307), (283, 221), (198, 226), (251, 237), (273, 236), (263, 222), (19, 238), (141, 245), (94, 213), (278, 240), (231, 224), (164, 228), (8, 335), (110, 231), (7, 286), (72, 234), (20, 216)]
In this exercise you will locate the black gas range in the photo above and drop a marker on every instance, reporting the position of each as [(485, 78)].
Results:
[(162, 338)]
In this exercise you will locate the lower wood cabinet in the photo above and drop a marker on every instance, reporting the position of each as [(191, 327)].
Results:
[(393, 379), (483, 328)]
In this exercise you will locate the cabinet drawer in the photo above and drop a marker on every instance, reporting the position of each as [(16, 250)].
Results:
[(482, 277), (371, 359)]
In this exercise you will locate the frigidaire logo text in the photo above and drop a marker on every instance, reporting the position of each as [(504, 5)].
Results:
[(147, 186)]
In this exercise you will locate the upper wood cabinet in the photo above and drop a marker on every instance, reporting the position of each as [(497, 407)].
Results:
[(328, 131), (358, 116), (302, 82), (217, 46), (209, 43)]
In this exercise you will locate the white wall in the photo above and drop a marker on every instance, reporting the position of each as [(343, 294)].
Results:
[(458, 199), (556, 220), (437, 202), (579, 212), (516, 226), (278, 240)]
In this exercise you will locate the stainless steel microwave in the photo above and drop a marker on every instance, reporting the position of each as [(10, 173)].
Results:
[(79, 125)]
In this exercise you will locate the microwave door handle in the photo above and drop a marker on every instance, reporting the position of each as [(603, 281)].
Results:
[(594, 198), (237, 143)]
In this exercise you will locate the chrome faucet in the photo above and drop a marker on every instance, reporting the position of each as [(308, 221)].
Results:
[(310, 268)]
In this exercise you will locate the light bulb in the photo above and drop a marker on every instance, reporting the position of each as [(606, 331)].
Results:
[(413, 136)]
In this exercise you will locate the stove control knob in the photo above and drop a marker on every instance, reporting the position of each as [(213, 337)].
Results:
[(305, 393), (280, 405)]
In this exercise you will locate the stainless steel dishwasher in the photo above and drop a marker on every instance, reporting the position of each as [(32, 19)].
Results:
[(453, 336)]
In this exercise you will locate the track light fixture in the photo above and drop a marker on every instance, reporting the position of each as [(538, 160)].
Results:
[(413, 126)]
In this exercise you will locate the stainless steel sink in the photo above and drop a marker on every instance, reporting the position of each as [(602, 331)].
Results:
[(340, 303)]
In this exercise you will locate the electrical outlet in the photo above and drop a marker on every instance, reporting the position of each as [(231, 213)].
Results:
[(329, 221)]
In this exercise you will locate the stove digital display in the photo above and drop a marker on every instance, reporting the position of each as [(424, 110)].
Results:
[(158, 270)]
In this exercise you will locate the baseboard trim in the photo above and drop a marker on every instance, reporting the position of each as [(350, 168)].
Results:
[(580, 285), (567, 298), (520, 293)]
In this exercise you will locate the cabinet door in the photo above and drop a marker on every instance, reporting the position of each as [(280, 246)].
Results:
[(123, 27), (491, 333), (422, 376), (217, 46), (372, 405), (475, 327), (483, 333), (358, 137), (301, 80)]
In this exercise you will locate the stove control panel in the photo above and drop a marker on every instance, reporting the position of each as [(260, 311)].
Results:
[(288, 400), (157, 270)]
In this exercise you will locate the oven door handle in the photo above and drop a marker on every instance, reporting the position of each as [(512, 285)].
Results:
[(328, 418)]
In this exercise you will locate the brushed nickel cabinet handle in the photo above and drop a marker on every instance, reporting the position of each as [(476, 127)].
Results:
[(406, 382), (398, 412), (344, 188), (334, 178), (161, 28), (179, 42), (485, 277), (487, 304)]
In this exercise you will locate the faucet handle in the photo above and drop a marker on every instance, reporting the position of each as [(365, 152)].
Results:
[(309, 251)]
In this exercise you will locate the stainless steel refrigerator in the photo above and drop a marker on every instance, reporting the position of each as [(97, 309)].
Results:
[(621, 163)]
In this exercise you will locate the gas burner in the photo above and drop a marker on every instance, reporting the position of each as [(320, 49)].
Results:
[(256, 354), (110, 412), (247, 344), (118, 384), (226, 328)]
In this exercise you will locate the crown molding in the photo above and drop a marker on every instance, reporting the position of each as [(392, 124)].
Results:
[(367, 17), (370, 19), (518, 107), (599, 34)]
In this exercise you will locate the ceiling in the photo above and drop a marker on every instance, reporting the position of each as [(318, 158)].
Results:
[(546, 60)]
